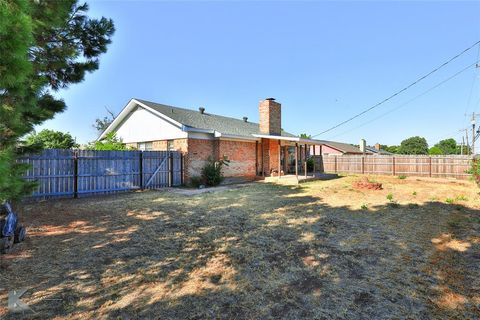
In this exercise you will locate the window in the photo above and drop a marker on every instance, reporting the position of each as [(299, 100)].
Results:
[(145, 146), (170, 146)]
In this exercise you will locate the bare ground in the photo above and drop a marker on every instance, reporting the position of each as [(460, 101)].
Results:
[(322, 250)]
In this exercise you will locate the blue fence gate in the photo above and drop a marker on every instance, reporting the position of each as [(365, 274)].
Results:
[(76, 173)]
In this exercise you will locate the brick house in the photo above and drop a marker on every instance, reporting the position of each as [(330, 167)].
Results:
[(254, 150)]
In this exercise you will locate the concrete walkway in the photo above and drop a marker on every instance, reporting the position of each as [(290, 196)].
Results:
[(292, 179)]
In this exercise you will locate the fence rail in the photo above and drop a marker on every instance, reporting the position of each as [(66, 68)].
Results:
[(413, 165), (78, 173)]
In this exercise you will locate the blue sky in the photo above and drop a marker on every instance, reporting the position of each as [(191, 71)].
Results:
[(324, 61)]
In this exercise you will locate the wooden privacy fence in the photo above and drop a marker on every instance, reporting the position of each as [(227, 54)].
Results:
[(414, 165), (75, 173)]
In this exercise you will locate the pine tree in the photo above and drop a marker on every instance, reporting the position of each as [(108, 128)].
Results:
[(44, 46)]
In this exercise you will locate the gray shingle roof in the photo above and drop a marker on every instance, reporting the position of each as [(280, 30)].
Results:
[(344, 147), (381, 151), (208, 121)]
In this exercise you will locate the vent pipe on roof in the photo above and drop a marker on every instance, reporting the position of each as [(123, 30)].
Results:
[(245, 119), (202, 110)]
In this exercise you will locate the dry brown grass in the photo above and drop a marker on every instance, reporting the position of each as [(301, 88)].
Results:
[(320, 250)]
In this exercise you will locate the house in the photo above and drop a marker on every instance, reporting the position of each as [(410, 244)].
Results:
[(339, 148), (336, 148), (376, 150), (253, 149)]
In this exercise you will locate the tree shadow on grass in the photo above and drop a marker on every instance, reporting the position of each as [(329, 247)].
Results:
[(265, 251)]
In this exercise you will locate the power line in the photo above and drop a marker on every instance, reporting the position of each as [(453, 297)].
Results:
[(399, 92), (409, 101)]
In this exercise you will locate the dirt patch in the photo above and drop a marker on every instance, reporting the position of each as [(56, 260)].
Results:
[(366, 184), (321, 250)]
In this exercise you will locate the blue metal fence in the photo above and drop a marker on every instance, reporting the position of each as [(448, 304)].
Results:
[(76, 173)]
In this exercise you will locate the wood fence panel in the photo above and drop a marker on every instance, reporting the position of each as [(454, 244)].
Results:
[(162, 169), (71, 173), (102, 171), (450, 166), (53, 171)]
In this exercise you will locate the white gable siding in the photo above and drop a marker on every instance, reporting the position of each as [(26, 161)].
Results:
[(142, 125)]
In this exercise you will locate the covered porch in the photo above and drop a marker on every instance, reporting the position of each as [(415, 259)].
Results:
[(281, 157)]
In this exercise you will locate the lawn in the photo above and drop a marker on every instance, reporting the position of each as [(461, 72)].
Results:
[(320, 250)]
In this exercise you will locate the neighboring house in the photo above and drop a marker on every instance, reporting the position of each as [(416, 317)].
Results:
[(340, 148), (376, 150), (336, 148), (253, 149)]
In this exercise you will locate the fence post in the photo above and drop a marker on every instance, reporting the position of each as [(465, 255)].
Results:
[(430, 166), (363, 165), (393, 165), (182, 178), (170, 169), (335, 164), (75, 174), (141, 169)]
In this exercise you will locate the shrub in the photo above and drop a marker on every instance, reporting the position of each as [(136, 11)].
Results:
[(402, 177), (364, 206), (461, 198), (310, 164), (196, 181), (390, 197), (475, 171), (212, 172), (449, 200), (414, 193)]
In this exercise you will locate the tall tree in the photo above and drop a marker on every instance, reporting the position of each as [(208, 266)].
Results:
[(435, 151), (51, 139), (448, 146), (414, 145), (305, 136), (44, 46), (391, 149), (110, 142), (101, 124)]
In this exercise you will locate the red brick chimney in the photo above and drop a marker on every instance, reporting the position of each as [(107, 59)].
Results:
[(270, 117)]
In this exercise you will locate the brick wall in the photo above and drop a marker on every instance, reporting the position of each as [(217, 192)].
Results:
[(242, 158), (160, 145), (199, 151), (270, 156), (240, 153)]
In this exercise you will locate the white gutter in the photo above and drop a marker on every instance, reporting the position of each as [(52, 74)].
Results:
[(234, 136), (293, 139), (192, 129)]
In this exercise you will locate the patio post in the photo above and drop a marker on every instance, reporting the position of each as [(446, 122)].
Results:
[(305, 159), (296, 161), (314, 160), (256, 158), (279, 158), (263, 165)]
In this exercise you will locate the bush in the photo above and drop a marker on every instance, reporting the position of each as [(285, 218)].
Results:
[(310, 163), (402, 177), (212, 172), (475, 171), (196, 181)]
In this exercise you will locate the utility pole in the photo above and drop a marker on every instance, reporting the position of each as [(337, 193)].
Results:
[(461, 148), (474, 122)]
